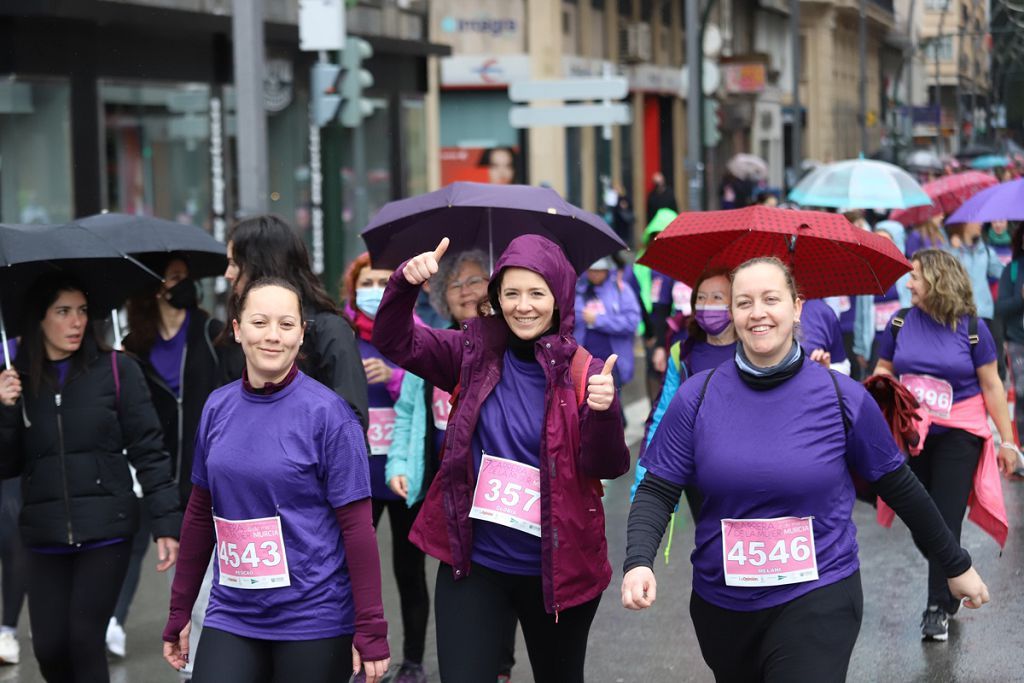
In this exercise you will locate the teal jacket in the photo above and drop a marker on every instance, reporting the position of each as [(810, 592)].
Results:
[(407, 455)]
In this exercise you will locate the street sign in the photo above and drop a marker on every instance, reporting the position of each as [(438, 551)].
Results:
[(569, 89), (570, 115), (321, 25)]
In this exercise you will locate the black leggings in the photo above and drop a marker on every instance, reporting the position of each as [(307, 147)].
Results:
[(70, 600), (223, 657), (140, 544), (806, 640), (472, 616), (946, 469), (407, 561), (13, 554)]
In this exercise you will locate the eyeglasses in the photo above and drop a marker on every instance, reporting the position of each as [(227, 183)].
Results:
[(469, 283)]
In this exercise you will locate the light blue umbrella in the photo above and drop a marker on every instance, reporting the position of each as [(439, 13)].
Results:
[(859, 184), (989, 161)]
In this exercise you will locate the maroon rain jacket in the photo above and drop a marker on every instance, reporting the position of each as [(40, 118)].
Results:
[(579, 447)]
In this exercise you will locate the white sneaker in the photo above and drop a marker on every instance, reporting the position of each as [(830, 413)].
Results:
[(10, 651), (115, 638)]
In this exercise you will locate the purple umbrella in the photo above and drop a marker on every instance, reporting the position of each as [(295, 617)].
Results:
[(487, 217), (1003, 202)]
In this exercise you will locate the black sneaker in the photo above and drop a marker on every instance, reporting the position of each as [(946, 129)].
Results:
[(934, 624)]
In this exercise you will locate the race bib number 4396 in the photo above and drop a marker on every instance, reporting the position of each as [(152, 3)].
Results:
[(250, 553), (768, 552), (935, 394)]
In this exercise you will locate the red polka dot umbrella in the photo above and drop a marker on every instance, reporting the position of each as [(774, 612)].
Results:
[(829, 255), (947, 194)]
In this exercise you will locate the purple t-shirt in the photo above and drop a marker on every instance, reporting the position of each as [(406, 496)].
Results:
[(705, 356), (781, 452), (821, 329), (166, 356), (298, 453), (509, 427), (925, 346), (379, 397)]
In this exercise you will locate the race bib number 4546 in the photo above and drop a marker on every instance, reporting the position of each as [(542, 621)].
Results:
[(768, 552), (250, 553)]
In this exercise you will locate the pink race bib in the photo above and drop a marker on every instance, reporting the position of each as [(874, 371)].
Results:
[(507, 493), (596, 306), (250, 553), (768, 552), (844, 304), (656, 289), (935, 394), (440, 404), (884, 312), (681, 298), (381, 431)]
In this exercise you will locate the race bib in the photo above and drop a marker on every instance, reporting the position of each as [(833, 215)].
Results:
[(844, 304), (508, 493), (381, 431), (250, 553), (884, 311), (935, 394), (681, 297), (441, 407), (768, 552), (596, 306)]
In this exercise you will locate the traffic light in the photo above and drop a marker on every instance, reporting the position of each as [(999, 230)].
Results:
[(326, 95), (712, 121), (355, 79)]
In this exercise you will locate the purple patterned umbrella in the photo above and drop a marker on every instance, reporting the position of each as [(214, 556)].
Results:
[(1004, 202), (487, 217)]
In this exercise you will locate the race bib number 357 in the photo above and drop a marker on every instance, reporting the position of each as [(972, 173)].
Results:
[(768, 552), (508, 493), (250, 553)]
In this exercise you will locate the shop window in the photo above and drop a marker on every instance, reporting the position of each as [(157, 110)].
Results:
[(35, 151)]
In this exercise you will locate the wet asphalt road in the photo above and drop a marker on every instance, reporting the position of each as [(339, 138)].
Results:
[(658, 646)]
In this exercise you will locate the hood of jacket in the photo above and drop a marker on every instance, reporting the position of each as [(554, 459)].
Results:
[(659, 222), (895, 230), (542, 256)]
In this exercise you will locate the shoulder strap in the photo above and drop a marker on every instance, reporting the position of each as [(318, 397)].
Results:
[(839, 397), (972, 330), (117, 380), (897, 322), (704, 389), (578, 371)]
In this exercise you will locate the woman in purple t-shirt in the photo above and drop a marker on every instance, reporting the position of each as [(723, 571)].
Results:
[(953, 373), (770, 440), (281, 490)]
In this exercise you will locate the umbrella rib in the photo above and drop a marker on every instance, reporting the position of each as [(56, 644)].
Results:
[(120, 251)]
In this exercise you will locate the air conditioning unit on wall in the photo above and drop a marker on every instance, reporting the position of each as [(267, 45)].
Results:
[(635, 42)]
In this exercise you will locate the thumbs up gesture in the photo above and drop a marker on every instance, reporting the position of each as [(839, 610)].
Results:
[(421, 268), (601, 388)]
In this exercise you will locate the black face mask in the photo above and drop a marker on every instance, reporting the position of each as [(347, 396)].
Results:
[(183, 295)]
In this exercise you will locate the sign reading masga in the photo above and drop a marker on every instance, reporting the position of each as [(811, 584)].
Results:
[(488, 25), (481, 27)]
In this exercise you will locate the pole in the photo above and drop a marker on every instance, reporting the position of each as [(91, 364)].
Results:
[(938, 85), (694, 163), (862, 48), (912, 43), (361, 214), (798, 124), (247, 50)]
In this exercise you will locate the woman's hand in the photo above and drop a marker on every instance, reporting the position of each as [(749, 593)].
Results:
[(639, 589), (374, 670), (421, 268), (10, 387), (166, 552), (1009, 458), (176, 654), (601, 388), (377, 370), (821, 356), (400, 485), (969, 585)]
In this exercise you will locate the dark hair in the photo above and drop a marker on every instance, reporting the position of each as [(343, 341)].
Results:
[(493, 296), (144, 311), (485, 158), (44, 292), (693, 330), (1016, 240), (267, 282)]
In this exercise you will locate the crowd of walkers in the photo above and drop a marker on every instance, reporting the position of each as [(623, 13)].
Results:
[(267, 448)]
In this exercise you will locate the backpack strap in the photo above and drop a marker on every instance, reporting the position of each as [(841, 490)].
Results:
[(704, 389), (897, 322), (117, 380), (578, 371), (972, 330), (839, 398)]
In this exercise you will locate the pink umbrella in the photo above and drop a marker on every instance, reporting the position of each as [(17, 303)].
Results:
[(947, 194)]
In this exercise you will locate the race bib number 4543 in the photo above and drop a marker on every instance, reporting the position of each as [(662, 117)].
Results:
[(250, 553), (768, 552)]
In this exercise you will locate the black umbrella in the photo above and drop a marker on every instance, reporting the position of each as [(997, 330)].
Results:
[(152, 239), (30, 251)]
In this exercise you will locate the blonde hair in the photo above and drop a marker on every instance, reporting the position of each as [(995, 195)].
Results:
[(771, 261), (949, 296), (932, 231)]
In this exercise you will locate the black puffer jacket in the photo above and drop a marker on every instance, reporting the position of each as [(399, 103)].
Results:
[(69, 449)]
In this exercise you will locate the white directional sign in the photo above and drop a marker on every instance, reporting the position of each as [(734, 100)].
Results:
[(570, 115), (569, 89)]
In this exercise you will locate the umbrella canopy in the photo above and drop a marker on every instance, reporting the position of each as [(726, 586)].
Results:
[(747, 167), (29, 251), (829, 255), (859, 184), (924, 161), (487, 217), (151, 239), (989, 161), (1003, 202), (948, 194)]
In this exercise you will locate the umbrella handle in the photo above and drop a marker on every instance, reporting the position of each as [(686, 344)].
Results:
[(116, 323), (3, 340)]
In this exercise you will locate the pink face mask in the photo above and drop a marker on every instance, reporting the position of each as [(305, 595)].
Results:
[(713, 319)]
